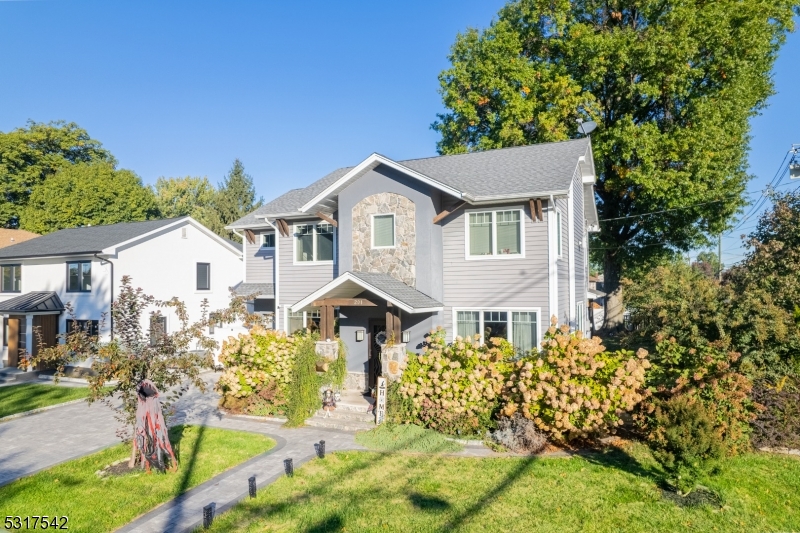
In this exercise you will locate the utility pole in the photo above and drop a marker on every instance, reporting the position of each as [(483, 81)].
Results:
[(719, 255)]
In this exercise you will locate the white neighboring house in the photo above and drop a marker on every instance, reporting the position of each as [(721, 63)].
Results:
[(84, 266)]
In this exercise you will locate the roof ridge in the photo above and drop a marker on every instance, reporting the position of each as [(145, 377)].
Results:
[(493, 150)]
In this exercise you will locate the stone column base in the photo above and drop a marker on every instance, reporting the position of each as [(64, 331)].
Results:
[(356, 381), (393, 361)]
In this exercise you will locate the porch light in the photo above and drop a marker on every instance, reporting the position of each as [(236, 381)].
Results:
[(406, 336), (359, 335)]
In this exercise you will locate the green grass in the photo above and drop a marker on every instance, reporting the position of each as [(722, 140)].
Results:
[(604, 492), (95, 504), (28, 396), (406, 438)]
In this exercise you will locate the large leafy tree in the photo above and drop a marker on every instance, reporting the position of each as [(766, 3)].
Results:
[(672, 85), (30, 155), (192, 196), (87, 193), (236, 196)]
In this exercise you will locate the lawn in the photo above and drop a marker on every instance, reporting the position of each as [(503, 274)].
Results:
[(603, 492), (28, 396), (95, 504)]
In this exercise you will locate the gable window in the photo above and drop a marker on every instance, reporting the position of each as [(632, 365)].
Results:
[(79, 276), (383, 234), (268, 240), (313, 242), (519, 326), (559, 236), (11, 278), (496, 233), (203, 276)]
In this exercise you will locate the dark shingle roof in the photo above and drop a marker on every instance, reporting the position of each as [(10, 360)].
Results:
[(523, 170), (255, 289), (83, 240), (397, 290), (32, 301)]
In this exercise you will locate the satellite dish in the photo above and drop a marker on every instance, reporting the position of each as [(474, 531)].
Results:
[(587, 127)]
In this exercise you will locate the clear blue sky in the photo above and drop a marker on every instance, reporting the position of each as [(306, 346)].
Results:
[(294, 89)]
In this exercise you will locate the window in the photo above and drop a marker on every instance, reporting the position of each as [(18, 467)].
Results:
[(268, 240), (383, 231), (12, 278), (559, 236), (158, 328), (580, 309), (519, 327), (213, 322), (79, 276), (264, 305), (494, 233), (203, 276), (91, 327), (313, 242), (304, 319)]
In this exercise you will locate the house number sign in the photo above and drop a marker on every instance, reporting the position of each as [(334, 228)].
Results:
[(380, 401)]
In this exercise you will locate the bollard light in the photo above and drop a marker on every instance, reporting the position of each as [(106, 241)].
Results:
[(288, 467), (321, 449), (251, 485), (208, 514)]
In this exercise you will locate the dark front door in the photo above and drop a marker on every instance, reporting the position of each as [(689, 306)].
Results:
[(375, 327), (47, 328)]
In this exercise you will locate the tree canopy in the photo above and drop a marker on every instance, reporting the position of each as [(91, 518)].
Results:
[(87, 193), (671, 84), (236, 196), (192, 196), (30, 155)]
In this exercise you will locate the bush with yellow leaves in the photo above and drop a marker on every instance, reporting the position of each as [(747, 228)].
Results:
[(574, 388)]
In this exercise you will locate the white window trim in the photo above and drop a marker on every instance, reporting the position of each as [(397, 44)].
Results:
[(372, 231), (263, 238), (305, 317), (314, 262), (509, 310), (495, 256), (559, 234)]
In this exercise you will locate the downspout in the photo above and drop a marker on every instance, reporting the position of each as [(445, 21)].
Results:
[(111, 298), (277, 271), (553, 260)]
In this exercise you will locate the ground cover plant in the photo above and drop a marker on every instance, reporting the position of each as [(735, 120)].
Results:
[(96, 504), (28, 396), (602, 492), (406, 438)]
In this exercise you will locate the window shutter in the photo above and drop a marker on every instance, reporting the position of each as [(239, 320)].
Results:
[(480, 234), (383, 230), (508, 232)]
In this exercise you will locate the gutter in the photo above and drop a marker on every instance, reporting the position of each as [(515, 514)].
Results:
[(111, 290)]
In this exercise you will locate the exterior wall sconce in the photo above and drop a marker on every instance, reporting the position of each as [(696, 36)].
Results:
[(359, 335), (406, 336)]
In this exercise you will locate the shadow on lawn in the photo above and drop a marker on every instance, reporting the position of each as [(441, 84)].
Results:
[(619, 459), (184, 469)]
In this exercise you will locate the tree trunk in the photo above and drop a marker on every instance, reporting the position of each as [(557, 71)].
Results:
[(132, 460), (615, 309)]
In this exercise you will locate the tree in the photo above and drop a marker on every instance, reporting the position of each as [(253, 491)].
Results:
[(708, 263), (87, 193), (189, 196), (236, 197), (31, 155), (671, 84)]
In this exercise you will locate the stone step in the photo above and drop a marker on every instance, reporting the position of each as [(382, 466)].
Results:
[(14, 375), (346, 415), (342, 425)]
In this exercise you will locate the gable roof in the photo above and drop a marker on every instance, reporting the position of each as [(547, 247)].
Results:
[(524, 171), (31, 302), (9, 237)]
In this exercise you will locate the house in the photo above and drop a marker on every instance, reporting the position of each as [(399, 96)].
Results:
[(490, 243), (10, 237), (84, 267)]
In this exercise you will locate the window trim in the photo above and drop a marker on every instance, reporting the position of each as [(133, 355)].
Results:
[(314, 244), (2, 289), (263, 241), (494, 255), (197, 278), (372, 231), (80, 278), (305, 314), (559, 235), (509, 310)]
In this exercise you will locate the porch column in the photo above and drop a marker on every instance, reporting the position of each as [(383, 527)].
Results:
[(29, 337), (393, 321)]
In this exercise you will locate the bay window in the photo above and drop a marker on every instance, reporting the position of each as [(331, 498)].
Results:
[(313, 242), (495, 233)]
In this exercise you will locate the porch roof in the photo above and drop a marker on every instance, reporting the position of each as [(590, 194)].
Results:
[(264, 290), (384, 286), (32, 302)]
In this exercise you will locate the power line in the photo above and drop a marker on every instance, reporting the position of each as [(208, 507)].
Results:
[(664, 210)]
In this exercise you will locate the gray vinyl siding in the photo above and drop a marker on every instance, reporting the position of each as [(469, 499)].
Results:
[(478, 284), (562, 265), (260, 263), (299, 280)]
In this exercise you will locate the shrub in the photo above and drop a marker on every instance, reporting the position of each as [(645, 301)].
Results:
[(777, 425), (519, 434), (304, 396), (686, 443), (575, 388), (455, 388)]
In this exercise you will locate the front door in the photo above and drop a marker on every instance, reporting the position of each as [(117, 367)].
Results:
[(47, 326), (375, 327), (12, 339)]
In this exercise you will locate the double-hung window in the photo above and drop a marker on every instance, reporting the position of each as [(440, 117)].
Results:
[(268, 240), (519, 326), (203, 276), (496, 233), (11, 278), (79, 276), (383, 233), (313, 242)]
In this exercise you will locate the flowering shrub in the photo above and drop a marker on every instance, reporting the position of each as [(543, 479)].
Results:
[(574, 388), (455, 388)]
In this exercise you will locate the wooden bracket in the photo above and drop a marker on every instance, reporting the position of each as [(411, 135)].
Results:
[(536, 209), (283, 227), (446, 212), (327, 219), (250, 236)]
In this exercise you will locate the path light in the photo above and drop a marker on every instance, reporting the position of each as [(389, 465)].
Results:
[(208, 514), (251, 485), (319, 447), (289, 467)]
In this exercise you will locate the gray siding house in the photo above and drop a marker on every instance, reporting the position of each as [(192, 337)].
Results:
[(492, 243)]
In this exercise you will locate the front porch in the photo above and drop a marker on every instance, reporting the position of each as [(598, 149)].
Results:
[(31, 322)]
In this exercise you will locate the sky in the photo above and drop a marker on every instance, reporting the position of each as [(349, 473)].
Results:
[(293, 89)]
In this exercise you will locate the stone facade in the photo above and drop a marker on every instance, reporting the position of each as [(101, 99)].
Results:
[(394, 360), (356, 381), (400, 261)]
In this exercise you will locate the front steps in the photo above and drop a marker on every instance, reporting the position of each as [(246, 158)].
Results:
[(350, 414), (11, 375)]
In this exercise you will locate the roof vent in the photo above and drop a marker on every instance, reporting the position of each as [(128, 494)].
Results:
[(183, 232)]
